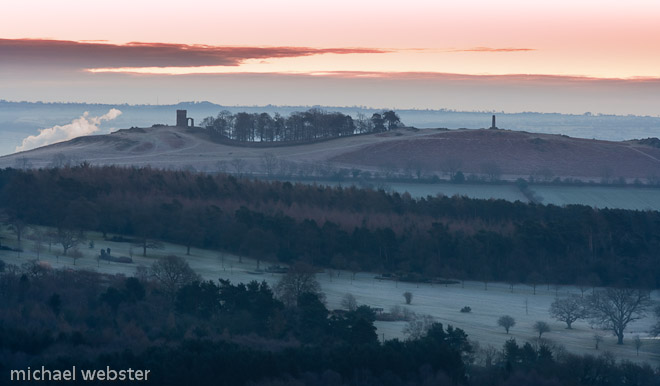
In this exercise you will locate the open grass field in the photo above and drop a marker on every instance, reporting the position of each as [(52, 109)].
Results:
[(633, 198)]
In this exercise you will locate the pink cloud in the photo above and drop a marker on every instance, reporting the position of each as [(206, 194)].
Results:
[(80, 55), (490, 49)]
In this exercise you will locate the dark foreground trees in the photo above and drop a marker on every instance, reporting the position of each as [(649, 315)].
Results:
[(613, 308), (240, 334)]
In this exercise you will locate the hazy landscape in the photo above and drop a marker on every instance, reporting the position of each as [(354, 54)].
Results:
[(330, 193)]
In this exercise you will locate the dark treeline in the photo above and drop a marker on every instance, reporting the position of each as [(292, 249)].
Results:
[(208, 333), (222, 333), (310, 125), (345, 228)]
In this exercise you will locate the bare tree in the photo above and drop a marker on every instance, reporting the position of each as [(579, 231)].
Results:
[(512, 280), (568, 310), (507, 322), (488, 355), (534, 279), (541, 327), (300, 279), (637, 341), (18, 227), (69, 238), (349, 302), (418, 326), (221, 166), (38, 238), (75, 255), (492, 171), (23, 163), (451, 166), (269, 163), (59, 160), (613, 308), (408, 296), (239, 165), (597, 339), (172, 273)]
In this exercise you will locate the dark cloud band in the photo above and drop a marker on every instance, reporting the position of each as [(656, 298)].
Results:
[(80, 55)]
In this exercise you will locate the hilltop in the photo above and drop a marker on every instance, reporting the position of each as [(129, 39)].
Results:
[(485, 153)]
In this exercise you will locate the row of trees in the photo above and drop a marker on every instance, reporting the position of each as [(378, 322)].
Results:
[(611, 309), (313, 124)]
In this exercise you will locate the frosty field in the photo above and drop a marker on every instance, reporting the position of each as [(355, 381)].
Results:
[(618, 197), (440, 301)]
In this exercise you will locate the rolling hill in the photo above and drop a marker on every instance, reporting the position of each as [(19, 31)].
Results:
[(490, 153)]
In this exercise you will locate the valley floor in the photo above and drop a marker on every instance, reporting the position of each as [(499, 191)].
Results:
[(440, 301)]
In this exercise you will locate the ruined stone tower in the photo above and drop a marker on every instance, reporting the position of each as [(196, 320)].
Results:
[(182, 119)]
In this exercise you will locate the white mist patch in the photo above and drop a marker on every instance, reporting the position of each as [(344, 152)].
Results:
[(84, 125)]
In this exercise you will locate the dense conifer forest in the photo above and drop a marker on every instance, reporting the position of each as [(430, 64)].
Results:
[(344, 228)]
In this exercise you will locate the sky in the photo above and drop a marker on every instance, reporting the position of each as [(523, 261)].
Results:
[(547, 56)]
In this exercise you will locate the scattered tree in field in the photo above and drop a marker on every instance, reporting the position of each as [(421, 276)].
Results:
[(146, 243), (300, 279), (451, 166), (541, 327), (492, 171), (18, 227), (613, 308), (534, 279), (597, 339), (68, 238), (408, 297), (239, 165), (38, 238), (507, 322), (418, 326), (354, 268), (637, 341), (172, 273), (512, 280), (656, 329), (568, 310), (349, 302), (75, 255), (526, 306), (269, 162)]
